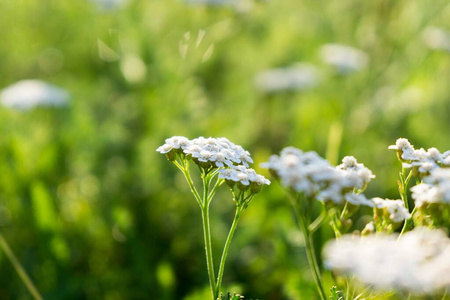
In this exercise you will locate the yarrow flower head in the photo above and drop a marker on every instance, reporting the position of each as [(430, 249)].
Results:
[(312, 175), (207, 152), (434, 189), (244, 178), (416, 262), (422, 161), (390, 210)]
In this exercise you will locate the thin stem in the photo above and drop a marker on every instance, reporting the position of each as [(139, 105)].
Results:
[(404, 181), (187, 175), (208, 249), (19, 269), (312, 260), (225, 249), (408, 223), (317, 222), (219, 182), (207, 232)]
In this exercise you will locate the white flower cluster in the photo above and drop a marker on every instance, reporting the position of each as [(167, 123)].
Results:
[(27, 94), (424, 161), (299, 77), (312, 175), (434, 189), (218, 151), (243, 175), (417, 262), (395, 208), (344, 58)]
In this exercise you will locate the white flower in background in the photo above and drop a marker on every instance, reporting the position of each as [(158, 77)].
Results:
[(425, 161), (434, 189), (299, 77), (424, 193), (356, 170), (238, 5), (344, 58), (437, 38), (312, 175), (27, 94), (109, 4), (417, 262), (395, 208)]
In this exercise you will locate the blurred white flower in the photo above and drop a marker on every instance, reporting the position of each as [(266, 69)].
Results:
[(434, 189), (417, 262), (239, 5), (344, 58), (436, 38), (312, 175), (27, 94), (425, 161), (395, 208), (109, 4), (299, 77)]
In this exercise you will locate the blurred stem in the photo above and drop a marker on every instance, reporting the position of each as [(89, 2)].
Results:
[(19, 269), (403, 189), (207, 233), (301, 208), (309, 243), (318, 222), (237, 215)]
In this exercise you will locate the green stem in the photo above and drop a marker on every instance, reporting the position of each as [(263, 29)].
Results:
[(318, 222), (310, 253), (19, 269), (225, 249), (404, 181), (207, 232), (187, 175), (208, 249)]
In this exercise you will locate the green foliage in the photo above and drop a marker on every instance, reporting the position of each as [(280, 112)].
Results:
[(92, 211), (336, 294), (228, 296)]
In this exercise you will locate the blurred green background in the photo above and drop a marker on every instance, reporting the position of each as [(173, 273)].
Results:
[(94, 212)]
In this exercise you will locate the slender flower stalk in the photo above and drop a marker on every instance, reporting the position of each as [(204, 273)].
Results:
[(223, 259), (208, 249), (303, 223), (19, 269), (218, 161)]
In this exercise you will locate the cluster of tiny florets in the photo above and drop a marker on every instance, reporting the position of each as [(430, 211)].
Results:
[(432, 167), (312, 175), (395, 209), (434, 189), (421, 160), (218, 152), (243, 176), (416, 262), (232, 160)]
